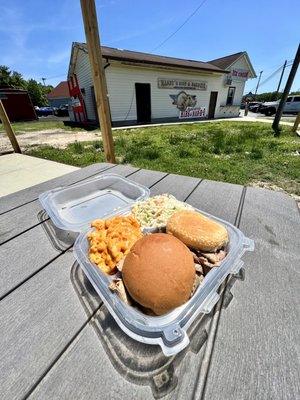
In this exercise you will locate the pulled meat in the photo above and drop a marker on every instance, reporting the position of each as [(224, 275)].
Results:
[(118, 287), (206, 261)]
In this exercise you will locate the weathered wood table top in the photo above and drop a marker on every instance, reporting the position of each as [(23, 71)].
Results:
[(58, 341)]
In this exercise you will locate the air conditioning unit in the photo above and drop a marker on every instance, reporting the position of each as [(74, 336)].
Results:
[(227, 81)]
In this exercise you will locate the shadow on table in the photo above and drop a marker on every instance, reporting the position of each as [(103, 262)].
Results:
[(61, 240), (138, 362)]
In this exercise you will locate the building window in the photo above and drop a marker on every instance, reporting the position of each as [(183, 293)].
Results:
[(230, 96)]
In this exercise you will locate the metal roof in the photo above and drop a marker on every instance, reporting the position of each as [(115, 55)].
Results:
[(227, 61), (151, 59)]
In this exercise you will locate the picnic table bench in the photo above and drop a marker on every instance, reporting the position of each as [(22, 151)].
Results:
[(58, 340)]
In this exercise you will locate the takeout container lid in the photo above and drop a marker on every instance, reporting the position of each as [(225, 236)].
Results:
[(72, 208)]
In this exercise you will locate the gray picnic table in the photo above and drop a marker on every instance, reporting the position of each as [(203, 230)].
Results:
[(58, 341)]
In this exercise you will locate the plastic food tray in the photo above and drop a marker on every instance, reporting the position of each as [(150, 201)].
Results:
[(73, 208), (169, 330)]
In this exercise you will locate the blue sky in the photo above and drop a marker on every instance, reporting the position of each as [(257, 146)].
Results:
[(36, 36)]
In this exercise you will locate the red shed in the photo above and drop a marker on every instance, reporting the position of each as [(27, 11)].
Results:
[(18, 105)]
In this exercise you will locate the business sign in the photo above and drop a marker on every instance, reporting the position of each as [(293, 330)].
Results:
[(182, 100), (191, 112), (165, 83), (239, 74)]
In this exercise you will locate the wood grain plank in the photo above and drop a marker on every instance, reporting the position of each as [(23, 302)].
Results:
[(258, 338), (37, 323), (147, 178), (20, 219), (217, 198), (17, 199), (84, 373), (126, 363), (25, 255), (177, 185)]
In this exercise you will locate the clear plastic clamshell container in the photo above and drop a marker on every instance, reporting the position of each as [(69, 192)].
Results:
[(73, 208)]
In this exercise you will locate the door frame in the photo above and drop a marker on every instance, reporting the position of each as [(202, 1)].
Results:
[(212, 104), (143, 111)]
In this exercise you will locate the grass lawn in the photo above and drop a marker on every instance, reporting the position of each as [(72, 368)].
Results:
[(236, 152)]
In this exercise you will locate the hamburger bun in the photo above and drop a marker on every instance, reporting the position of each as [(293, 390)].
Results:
[(159, 272), (197, 231)]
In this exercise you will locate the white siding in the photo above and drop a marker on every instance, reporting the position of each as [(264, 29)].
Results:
[(223, 111), (121, 88), (232, 111), (85, 80), (121, 81), (240, 64)]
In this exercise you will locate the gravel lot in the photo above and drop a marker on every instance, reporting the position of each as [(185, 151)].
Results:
[(54, 137)]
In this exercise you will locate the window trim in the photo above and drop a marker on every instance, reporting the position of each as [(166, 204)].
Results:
[(228, 103)]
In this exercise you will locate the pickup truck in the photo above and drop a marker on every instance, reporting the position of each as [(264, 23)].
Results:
[(292, 106)]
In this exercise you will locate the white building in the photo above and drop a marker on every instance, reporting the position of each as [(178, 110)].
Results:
[(144, 88)]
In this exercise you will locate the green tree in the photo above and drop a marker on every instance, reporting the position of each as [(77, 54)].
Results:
[(15, 80), (36, 93), (18, 81), (5, 77), (11, 79)]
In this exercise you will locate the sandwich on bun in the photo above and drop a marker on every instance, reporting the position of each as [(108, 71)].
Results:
[(197, 231), (159, 273)]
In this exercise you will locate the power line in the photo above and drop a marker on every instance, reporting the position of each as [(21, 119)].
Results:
[(52, 77), (181, 26), (57, 76), (274, 73)]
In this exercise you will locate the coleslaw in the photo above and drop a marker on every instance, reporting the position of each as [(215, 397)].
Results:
[(155, 211)]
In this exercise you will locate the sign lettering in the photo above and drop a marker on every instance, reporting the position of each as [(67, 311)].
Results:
[(164, 83), (191, 112), (239, 74)]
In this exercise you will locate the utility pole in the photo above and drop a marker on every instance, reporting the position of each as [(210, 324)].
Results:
[(287, 90), (95, 56), (258, 82), (281, 76), (43, 79)]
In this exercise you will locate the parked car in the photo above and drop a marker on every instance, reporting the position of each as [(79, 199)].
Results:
[(254, 106), (44, 111), (62, 111), (292, 106)]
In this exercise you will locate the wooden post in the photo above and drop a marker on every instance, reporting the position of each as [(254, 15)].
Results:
[(9, 129), (286, 91), (297, 122), (95, 56)]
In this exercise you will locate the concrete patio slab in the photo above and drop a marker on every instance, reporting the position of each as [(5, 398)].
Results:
[(18, 171)]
